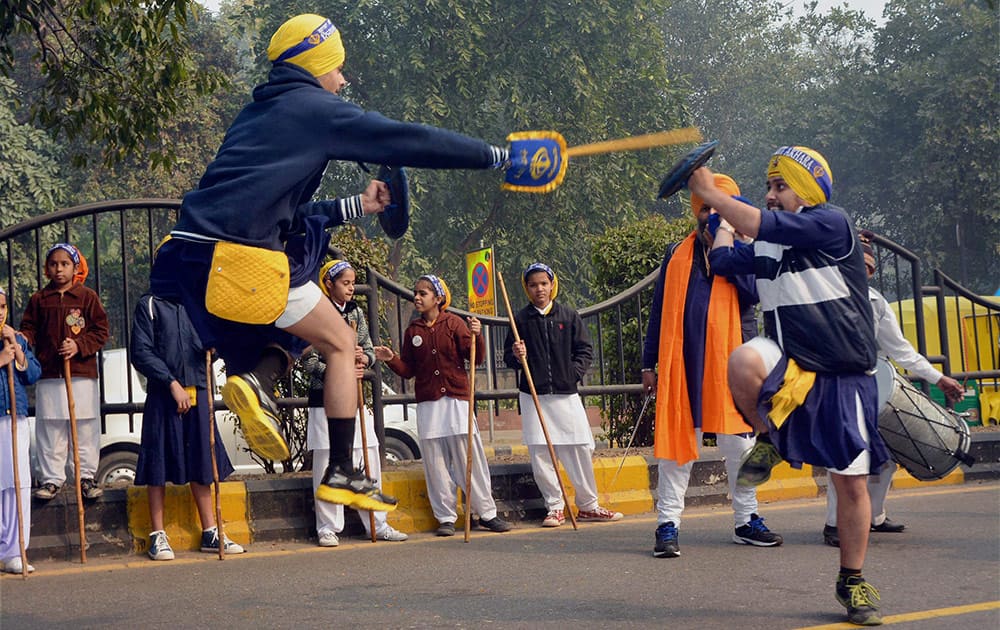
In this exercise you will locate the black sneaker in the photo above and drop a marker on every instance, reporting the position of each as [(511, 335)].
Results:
[(89, 489), (757, 465), (666, 541), (353, 489), (757, 534), (860, 599), (210, 543), (445, 529), (888, 527), (495, 524), (831, 536)]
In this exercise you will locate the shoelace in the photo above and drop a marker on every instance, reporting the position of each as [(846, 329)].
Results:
[(757, 525), (863, 594), (666, 532)]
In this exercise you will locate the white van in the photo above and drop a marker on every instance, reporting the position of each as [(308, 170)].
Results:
[(120, 445)]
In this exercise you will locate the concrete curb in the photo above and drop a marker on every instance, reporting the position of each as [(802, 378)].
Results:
[(281, 508)]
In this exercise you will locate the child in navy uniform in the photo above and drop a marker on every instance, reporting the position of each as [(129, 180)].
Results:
[(175, 440)]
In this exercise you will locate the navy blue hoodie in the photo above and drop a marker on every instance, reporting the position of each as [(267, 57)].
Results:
[(258, 188)]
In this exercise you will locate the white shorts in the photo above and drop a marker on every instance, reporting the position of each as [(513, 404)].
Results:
[(301, 300)]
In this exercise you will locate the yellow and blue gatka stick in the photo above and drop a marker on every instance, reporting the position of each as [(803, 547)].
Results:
[(539, 158)]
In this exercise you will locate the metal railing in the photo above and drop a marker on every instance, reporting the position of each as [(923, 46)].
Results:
[(119, 237)]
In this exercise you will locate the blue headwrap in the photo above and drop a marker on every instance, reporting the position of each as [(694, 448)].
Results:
[(73, 252)]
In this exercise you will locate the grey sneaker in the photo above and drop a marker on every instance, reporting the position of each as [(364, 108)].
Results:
[(328, 539), (392, 535), (495, 524), (445, 529), (210, 543), (757, 465), (159, 546)]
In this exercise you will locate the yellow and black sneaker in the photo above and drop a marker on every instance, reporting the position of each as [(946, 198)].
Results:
[(249, 399), (353, 489), (860, 599)]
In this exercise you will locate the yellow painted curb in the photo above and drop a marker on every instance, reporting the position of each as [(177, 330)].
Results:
[(630, 493), (180, 516), (903, 479), (789, 483), (414, 512)]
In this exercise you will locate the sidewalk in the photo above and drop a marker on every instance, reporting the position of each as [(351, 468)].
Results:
[(280, 507)]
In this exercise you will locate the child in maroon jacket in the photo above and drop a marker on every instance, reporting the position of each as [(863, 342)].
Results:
[(65, 321), (434, 351)]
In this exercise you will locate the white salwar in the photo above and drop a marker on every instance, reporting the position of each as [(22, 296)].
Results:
[(672, 483), (573, 442), (9, 546), (443, 425), (330, 516), (52, 430)]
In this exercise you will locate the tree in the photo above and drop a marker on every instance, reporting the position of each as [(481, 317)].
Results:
[(29, 173), (108, 71)]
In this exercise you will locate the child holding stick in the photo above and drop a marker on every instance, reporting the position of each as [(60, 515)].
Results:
[(65, 321), (434, 349), (337, 280), (26, 370)]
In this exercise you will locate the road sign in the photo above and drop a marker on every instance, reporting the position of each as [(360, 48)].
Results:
[(479, 274)]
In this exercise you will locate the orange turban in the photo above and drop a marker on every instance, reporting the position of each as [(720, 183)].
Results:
[(725, 183)]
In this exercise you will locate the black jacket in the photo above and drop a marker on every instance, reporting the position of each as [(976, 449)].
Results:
[(559, 349)]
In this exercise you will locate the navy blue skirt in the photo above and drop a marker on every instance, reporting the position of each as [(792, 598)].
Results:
[(175, 447), (823, 431)]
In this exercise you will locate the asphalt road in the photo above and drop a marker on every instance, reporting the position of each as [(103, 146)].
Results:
[(944, 570)]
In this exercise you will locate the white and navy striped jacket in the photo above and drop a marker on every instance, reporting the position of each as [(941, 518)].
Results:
[(813, 289)]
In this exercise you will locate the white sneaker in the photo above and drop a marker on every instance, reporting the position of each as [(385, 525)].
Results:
[(328, 539), (159, 546), (392, 535), (14, 566)]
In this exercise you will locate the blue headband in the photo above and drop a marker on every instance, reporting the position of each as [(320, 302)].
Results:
[(317, 37), (435, 282), (336, 270), (73, 252), (537, 266)]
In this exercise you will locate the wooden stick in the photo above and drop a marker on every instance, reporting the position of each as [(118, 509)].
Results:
[(71, 403), (364, 439), (634, 143), (538, 404), (210, 378), (468, 447), (17, 471)]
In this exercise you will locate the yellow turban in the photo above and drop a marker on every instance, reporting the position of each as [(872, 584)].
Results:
[(805, 171), (725, 183), (310, 41), (440, 289)]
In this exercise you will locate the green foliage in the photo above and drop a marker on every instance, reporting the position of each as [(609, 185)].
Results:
[(29, 170), (109, 72), (623, 256)]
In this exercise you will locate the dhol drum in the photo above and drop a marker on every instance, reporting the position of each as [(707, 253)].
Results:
[(926, 439)]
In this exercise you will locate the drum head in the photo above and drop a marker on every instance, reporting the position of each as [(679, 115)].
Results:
[(886, 380)]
